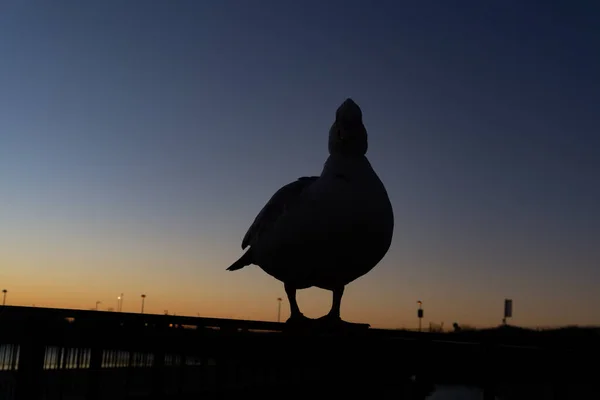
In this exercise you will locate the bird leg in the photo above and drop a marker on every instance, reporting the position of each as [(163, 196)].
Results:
[(295, 314), (334, 314)]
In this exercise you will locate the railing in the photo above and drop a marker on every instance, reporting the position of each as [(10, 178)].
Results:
[(69, 354)]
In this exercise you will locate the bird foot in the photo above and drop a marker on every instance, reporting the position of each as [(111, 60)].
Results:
[(297, 319), (331, 320)]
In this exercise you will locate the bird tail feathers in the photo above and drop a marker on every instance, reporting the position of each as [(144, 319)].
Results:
[(243, 261)]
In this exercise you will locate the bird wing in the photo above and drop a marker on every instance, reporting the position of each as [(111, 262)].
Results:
[(281, 201)]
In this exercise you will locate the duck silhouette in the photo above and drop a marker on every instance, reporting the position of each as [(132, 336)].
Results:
[(325, 231)]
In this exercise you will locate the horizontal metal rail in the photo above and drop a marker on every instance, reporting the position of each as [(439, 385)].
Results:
[(59, 353)]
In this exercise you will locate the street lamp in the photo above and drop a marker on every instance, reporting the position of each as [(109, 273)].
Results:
[(4, 291), (420, 313), (279, 309), (143, 300), (98, 302)]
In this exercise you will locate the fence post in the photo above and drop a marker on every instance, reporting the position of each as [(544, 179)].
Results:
[(489, 380), (31, 367), (181, 372), (158, 362), (94, 372)]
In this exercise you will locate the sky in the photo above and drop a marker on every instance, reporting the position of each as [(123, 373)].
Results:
[(138, 141)]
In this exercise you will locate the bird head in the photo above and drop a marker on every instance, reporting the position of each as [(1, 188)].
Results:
[(348, 135)]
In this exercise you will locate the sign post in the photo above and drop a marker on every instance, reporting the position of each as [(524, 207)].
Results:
[(420, 313)]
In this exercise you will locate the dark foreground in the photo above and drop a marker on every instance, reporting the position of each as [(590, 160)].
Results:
[(68, 354)]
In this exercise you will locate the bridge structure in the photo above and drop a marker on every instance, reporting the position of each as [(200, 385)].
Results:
[(75, 354)]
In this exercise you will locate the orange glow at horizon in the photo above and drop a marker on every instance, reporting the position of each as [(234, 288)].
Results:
[(186, 276)]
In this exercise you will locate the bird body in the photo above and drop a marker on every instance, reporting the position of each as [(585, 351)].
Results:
[(324, 231)]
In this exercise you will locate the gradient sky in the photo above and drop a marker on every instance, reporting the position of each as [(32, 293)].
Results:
[(139, 139)]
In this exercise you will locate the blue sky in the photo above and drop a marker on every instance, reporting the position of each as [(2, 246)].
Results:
[(138, 140)]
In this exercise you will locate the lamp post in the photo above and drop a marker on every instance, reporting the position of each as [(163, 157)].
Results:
[(279, 309), (97, 302), (143, 300), (420, 313), (508, 306), (4, 291)]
